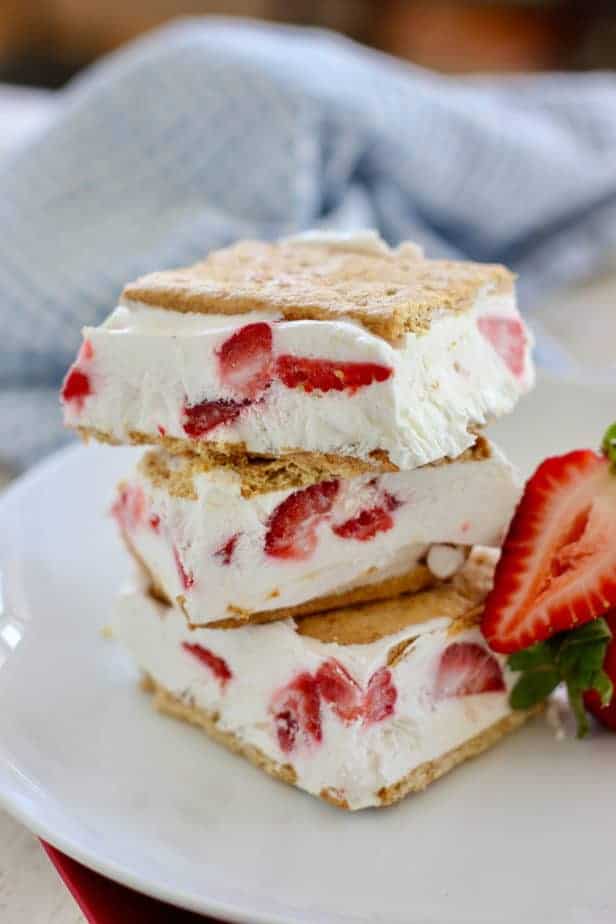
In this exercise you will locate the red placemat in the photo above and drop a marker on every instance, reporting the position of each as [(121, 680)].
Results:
[(106, 902)]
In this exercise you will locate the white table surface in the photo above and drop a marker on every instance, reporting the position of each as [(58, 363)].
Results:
[(582, 321)]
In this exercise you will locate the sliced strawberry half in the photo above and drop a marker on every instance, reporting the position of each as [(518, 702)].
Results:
[(296, 710), (245, 360), (340, 690), (558, 565), (508, 337), (200, 419), (328, 375), (218, 666), (466, 668), (291, 529)]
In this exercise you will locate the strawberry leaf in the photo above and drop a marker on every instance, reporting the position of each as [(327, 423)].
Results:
[(574, 658), (534, 686), (609, 443)]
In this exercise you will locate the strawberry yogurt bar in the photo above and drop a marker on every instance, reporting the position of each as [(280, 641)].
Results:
[(359, 706), (323, 345), (248, 545)]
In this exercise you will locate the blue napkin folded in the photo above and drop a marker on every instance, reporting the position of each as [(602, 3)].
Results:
[(211, 130)]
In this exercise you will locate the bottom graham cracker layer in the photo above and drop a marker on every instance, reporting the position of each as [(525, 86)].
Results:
[(417, 780)]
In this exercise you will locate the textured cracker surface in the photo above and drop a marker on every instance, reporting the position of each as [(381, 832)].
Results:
[(390, 292), (260, 476), (258, 473), (458, 600), (416, 579), (415, 781)]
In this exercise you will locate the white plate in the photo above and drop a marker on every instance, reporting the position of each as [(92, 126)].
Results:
[(524, 833)]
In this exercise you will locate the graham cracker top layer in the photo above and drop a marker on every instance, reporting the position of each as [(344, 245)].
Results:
[(459, 600), (389, 291), (176, 474)]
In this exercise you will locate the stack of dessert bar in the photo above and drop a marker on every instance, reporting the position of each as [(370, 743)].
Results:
[(306, 520)]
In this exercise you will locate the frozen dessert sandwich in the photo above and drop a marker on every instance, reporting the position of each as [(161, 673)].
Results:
[(359, 706), (324, 346), (264, 541)]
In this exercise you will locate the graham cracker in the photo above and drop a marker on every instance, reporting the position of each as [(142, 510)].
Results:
[(166, 702), (416, 579), (362, 625), (389, 292), (261, 476), (289, 468), (421, 777), (415, 781)]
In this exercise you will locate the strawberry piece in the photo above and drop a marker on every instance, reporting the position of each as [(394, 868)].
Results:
[(380, 697), (592, 700), (129, 507), (558, 566), (508, 337), (155, 522), (466, 668), (245, 360), (349, 702), (218, 666), (86, 352), (76, 388), (225, 552), (291, 528), (328, 375), (161, 430), (186, 577), (340, 690), (367, 523), (296, 709), (199, 419)]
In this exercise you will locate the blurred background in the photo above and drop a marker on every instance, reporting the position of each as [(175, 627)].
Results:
[(45, 42)]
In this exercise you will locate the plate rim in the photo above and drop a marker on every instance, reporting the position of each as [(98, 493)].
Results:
[(107, 867)]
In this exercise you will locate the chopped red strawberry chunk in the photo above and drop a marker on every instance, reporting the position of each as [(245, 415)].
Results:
[(558, 565), (155, 522), (292, 526), (77, 387), (606, 714), (218, 666), (296, 709), (86, 352), (340, 690), (328, 375), (508, 337), (201, 418), (367, 523), (349, 701), (186, 577), (466, 668), (245, 360), (380, 698), (225, 552), (129, 507)]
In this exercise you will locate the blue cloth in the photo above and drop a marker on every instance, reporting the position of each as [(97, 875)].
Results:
[(211, 130)]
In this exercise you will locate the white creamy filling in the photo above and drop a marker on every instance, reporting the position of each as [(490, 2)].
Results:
[(147, 364), (461, 503), (353, 758)]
